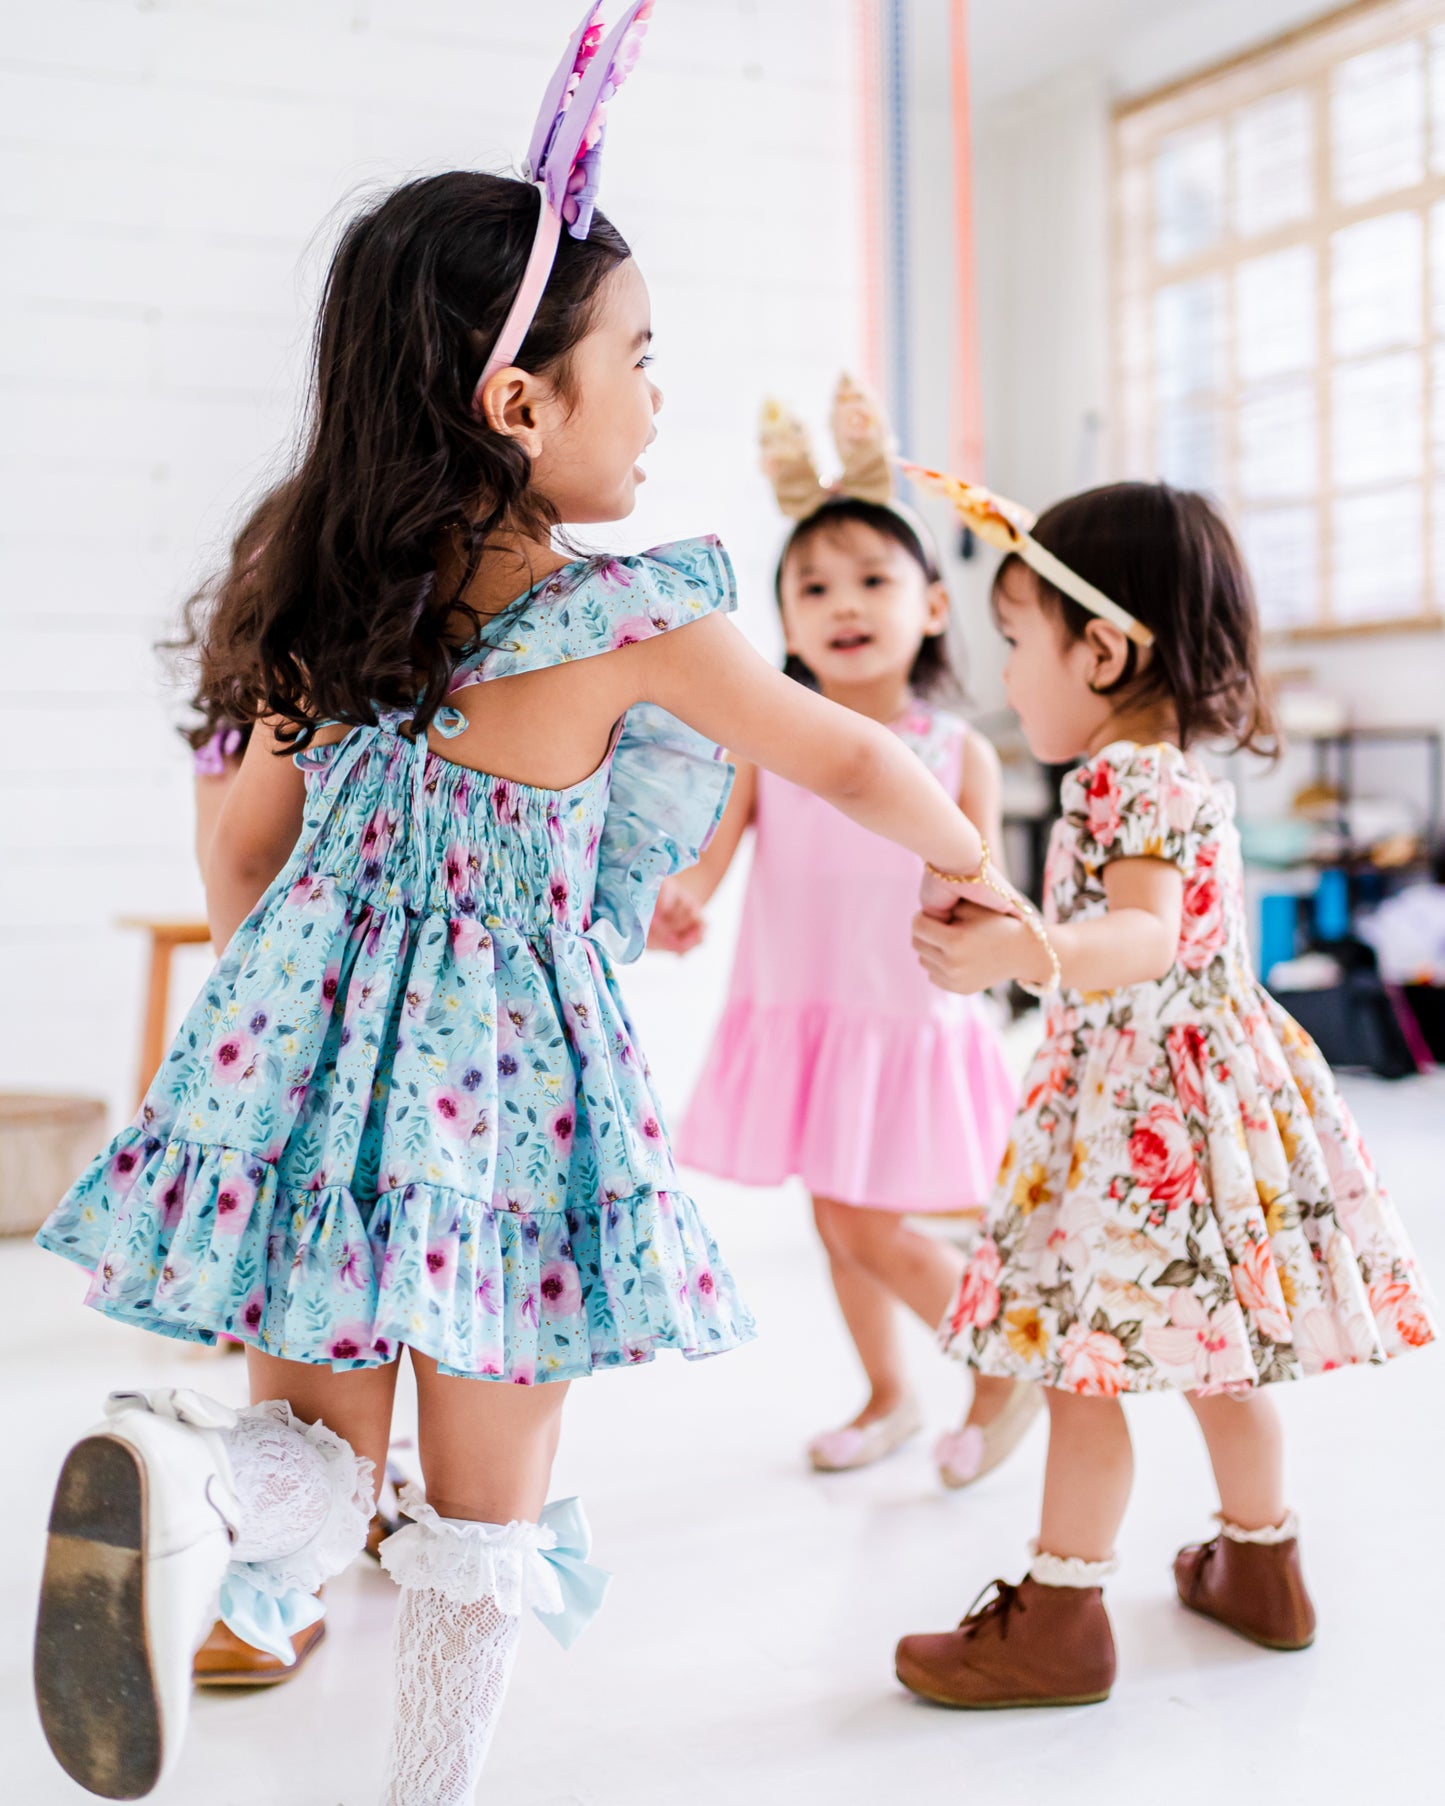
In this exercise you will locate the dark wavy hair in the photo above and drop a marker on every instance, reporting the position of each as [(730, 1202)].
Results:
[(933, 673), (234, 588), (329, 607), (1167, 556)]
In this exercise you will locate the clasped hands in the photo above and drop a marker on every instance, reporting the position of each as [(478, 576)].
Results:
[(967, 940)]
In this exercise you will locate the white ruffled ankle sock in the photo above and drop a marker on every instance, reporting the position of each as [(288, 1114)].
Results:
[(1271, 1533), (1068, 1570)]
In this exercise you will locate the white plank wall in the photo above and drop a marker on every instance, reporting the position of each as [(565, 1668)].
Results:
[(172, 174)]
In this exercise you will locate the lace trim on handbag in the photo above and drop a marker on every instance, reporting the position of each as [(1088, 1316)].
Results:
[(467, 1562)]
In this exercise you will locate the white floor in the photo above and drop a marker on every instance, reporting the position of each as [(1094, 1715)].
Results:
[(745, 1652)]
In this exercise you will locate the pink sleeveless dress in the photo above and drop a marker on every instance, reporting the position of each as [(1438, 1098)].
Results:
[(836, 1060)]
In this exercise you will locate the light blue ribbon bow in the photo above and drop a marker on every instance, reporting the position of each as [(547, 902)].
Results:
[(583, 1586), (265, 1620)]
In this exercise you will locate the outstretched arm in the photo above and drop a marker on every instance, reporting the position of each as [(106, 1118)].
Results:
[(710, 677)]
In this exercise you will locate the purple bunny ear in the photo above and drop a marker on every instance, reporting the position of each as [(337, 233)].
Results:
[(573, 138), (565, 152), (585, 43)]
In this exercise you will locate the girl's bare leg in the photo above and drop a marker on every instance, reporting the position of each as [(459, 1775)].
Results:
[(869, 1311), (357, 1406), (1246, 1451), (486, 1447), (1089, 1476), (876, 1258)]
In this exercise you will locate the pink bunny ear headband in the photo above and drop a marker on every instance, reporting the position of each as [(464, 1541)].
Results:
[(564, 156)]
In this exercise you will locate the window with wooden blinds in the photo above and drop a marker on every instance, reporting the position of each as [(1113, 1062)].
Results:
[(1280, 310)]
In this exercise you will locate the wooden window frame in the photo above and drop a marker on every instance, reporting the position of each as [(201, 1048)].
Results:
[(1303, 59)]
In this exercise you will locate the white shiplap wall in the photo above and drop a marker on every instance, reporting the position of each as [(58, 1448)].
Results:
[(171, 176)]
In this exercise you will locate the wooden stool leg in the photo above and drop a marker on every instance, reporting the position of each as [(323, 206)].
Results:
[(153, 1029)]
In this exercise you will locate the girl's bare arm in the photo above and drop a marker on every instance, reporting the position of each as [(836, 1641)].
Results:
[(253, 837), (702, 879), (980, 793), (710, 677)]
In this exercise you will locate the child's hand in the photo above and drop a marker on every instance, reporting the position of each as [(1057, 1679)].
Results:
[(976, 949), (678, 923)]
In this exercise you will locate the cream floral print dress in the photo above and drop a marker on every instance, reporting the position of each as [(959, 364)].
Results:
[(1185, 1201)]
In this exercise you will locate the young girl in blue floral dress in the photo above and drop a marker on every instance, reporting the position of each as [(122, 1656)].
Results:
[(408, 1110)]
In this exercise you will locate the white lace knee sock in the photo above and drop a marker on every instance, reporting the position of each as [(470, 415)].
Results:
[(453, 1661), (463, 1589)]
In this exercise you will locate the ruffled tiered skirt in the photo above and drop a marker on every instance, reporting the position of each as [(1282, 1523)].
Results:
[(1185, 1203), (893, 1113), (380, 1127)]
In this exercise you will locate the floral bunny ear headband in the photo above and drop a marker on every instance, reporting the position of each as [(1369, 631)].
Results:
[(865, 450), (1006, 525), (564, 155)]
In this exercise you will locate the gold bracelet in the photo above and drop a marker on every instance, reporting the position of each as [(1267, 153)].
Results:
[(981, 876), (1023, 909), (1034, 922)]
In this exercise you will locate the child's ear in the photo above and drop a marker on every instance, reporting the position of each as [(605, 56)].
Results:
[(1109, 654), (938, 606), (509, 406)]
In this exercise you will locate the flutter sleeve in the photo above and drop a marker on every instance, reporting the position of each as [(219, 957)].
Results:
[(669, 783), (1136, 802)]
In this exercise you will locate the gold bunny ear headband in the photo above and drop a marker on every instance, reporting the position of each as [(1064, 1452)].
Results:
[(865, 450), (866, 453), (1005, 525)]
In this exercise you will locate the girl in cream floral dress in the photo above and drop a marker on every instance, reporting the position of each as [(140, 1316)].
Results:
[(1185, 1204)]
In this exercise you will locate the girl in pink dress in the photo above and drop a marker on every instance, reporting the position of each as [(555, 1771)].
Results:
[(835, 1059)]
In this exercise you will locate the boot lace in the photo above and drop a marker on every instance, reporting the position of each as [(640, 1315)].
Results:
[(998, 1609)]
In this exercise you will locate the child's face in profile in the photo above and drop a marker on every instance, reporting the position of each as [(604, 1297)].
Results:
[(1046, 676), (857, 606), (586, 464)]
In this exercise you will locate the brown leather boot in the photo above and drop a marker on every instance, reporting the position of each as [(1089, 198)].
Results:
[(1254, 1589), (1029, 1645)]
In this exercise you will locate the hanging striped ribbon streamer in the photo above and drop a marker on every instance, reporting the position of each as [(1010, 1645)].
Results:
[(965, 438), (866, 36), (895, 150)]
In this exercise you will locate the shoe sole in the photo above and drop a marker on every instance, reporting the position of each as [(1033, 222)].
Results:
[(1248, 1635), (94, 1680), (1002, 1705)]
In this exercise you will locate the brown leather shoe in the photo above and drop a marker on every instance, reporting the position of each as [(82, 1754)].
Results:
[(223, 1660), (1029, 1645), (1254, 1589)]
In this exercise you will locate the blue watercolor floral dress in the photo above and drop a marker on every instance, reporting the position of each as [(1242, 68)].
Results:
[(408, 1106)]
